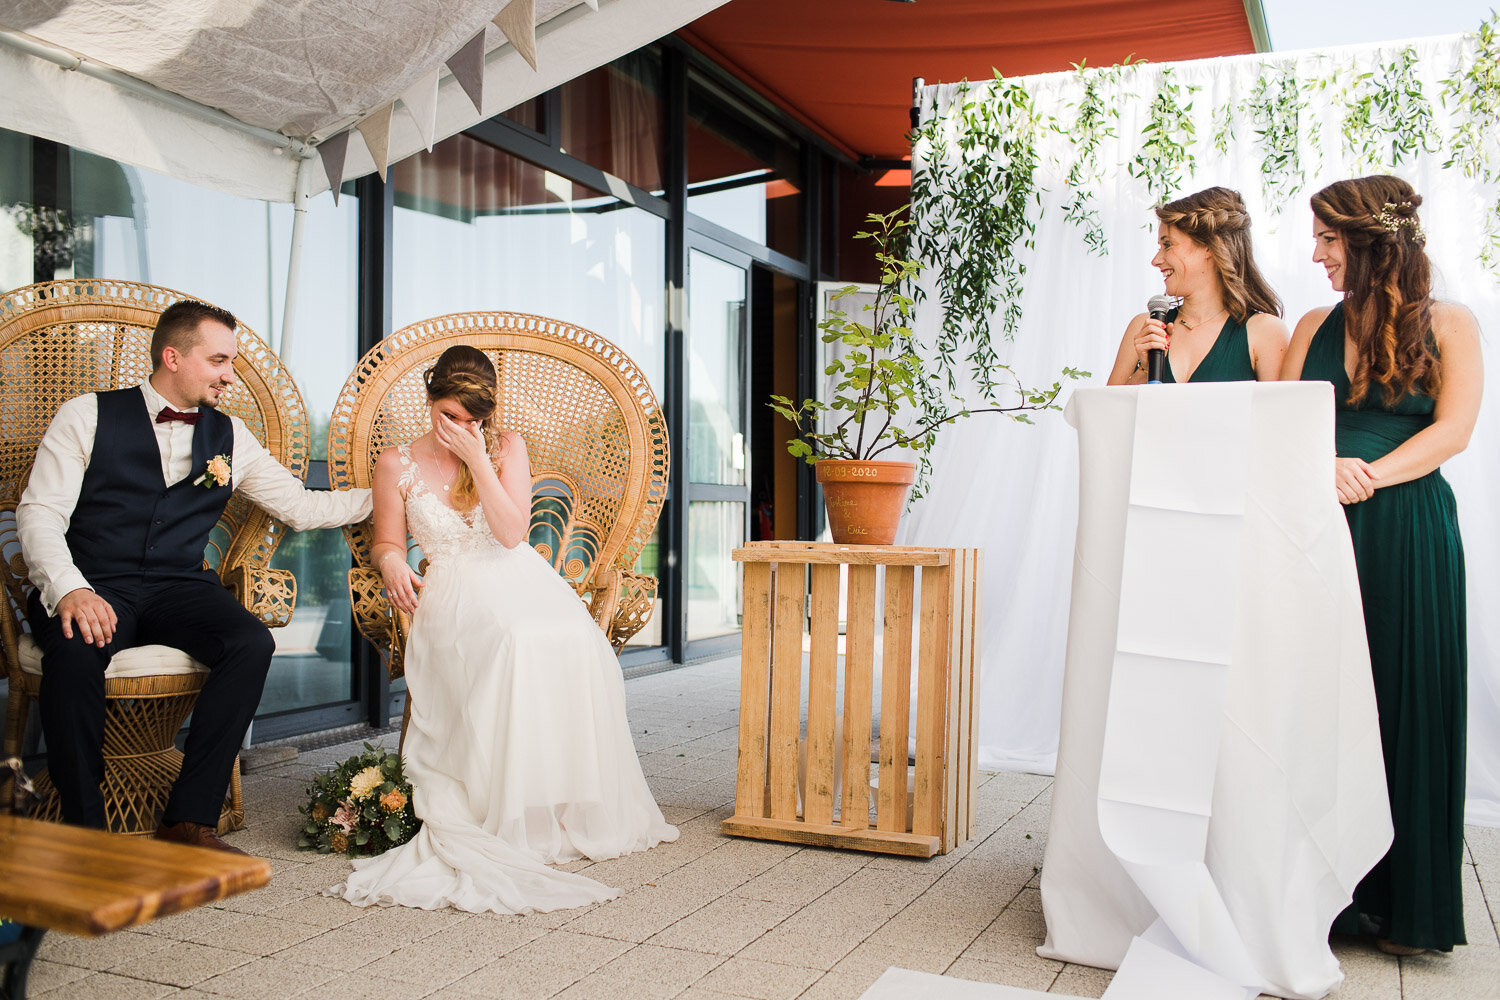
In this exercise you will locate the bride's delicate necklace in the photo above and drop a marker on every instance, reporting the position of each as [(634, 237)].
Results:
[(1188, 326), (437, 462)]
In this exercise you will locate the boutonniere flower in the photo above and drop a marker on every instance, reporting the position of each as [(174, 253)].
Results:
[(217, 473)]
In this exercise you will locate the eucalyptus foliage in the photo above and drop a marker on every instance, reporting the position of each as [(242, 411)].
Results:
[(1167, 139), (1387, 111), (1472, 96), (1223, 134), (1094, 122), (1275, 108), (975, 214), (974, 251)]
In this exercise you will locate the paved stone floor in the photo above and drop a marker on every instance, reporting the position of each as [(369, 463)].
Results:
[(706, 918)]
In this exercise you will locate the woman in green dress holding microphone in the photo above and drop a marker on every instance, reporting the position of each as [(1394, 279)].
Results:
[(1228, 327), (1407, 378)]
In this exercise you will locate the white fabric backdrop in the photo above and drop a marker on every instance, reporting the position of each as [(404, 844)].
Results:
[(1013, 488)]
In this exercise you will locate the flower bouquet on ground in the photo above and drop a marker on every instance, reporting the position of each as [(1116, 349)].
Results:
[(362, 806)]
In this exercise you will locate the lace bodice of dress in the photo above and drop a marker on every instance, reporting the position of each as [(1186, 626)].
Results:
[(437, 527)]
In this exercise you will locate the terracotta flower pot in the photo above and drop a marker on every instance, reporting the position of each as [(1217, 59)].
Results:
[(864, 499)]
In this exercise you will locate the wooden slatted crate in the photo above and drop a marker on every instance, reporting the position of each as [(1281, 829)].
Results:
[(789, 585)]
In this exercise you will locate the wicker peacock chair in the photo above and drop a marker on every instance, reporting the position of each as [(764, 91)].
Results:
[(61, 339), (595, 434)]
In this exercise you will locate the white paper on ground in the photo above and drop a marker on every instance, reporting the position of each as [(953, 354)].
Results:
[(1151, 972), (904, 984)]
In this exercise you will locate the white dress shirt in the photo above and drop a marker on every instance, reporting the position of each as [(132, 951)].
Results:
[(46, 508)]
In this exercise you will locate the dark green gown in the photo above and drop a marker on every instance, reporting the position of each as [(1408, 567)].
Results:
[(1228, 360), (1411, 577)]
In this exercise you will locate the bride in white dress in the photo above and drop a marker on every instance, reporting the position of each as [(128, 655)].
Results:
[(518, 749)]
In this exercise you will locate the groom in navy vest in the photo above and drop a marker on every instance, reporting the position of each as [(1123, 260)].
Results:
[(126, 487)]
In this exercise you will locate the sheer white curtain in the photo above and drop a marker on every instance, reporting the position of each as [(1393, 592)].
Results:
[(1013, 488)]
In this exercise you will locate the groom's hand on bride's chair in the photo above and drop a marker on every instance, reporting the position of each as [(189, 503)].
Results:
[(93, 616)]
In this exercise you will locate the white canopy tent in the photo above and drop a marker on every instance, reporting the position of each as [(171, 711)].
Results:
[(232, 94), (241, 95)]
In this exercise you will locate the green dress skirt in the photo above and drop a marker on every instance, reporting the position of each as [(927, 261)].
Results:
[(1411, 578), (1228, 360)]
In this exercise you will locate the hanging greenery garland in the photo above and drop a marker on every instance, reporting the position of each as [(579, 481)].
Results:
[(1388, 110), (976, 203), (975, 250), (1275, 108), (1472, 96), (1223, 136), (1166, 139), (1094, 122)]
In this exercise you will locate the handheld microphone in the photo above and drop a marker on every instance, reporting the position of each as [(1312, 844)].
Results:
[(1156, 359)]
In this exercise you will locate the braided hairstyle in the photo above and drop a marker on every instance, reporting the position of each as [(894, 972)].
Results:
[(1216, 220), (1387, 284), (465, 375)]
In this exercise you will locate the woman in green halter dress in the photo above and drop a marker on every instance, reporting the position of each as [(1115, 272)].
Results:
[(1407, 377), (1227, 328)]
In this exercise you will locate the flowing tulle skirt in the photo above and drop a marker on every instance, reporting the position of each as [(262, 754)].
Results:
[(518, 749)]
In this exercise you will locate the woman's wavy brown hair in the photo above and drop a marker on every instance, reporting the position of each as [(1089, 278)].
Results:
[(1216, 219), (465, 375), (1387, 284)]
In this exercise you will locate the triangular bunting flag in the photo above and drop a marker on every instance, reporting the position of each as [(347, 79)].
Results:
[(467, 66), (421, 101), (377, 132), (332, 150), (518, 21)]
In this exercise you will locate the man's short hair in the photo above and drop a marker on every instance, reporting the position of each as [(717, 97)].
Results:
[(178, 326)]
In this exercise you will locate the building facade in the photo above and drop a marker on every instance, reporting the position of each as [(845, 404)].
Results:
[(657, 201)]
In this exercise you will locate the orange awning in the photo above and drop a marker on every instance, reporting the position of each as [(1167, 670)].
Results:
[(844, 67)]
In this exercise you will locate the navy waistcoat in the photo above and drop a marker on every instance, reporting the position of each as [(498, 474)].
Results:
[(129, 526)]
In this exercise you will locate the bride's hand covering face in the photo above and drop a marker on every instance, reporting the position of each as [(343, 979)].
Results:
[(458, 432)]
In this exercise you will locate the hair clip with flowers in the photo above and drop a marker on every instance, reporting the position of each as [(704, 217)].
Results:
[(1393, 222)]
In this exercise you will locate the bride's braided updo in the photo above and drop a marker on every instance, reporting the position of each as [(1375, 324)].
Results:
[(1216, 220), (466, 375)]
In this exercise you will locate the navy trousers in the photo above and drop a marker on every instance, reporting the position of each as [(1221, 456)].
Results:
[(202, 619)]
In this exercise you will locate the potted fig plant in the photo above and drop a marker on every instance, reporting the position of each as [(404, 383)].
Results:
[(879, 405)]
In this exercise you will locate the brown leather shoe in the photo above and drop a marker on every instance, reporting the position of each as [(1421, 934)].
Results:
[(195, 834), (1392, 948)]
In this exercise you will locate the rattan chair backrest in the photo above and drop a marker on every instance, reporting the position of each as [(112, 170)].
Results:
[(593, 429), (60, 339)]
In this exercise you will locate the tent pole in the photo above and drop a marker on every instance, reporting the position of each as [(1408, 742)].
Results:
[(294, 258), (78, 64)]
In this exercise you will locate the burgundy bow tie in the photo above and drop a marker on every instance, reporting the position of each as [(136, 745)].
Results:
[(168, 414)]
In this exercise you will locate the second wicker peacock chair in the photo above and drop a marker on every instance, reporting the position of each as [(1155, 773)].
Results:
[(595, 434), (65, 338)]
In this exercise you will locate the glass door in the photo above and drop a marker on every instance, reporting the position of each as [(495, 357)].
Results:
[(718, 491)]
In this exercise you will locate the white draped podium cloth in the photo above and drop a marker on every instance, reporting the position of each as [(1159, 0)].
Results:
[(1219, 788)]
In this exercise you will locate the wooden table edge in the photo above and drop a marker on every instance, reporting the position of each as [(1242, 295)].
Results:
[(211, 875)]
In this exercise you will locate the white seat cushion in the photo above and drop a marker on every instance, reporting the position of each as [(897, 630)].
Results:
[(138, 661)]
